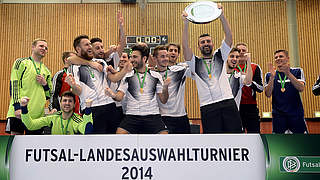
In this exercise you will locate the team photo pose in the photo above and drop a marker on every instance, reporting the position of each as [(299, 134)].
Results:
[(219, 112), (142, 87), (173, 113)]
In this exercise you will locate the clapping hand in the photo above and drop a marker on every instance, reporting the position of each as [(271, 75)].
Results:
[(272, 70)]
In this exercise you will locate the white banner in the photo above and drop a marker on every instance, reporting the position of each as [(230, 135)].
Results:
[(140, 157)]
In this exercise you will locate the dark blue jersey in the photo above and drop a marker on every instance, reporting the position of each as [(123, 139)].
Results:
[(289, 101)]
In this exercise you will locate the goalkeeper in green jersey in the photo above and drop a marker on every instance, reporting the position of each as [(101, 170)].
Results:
[(29, 77), (63, 122)]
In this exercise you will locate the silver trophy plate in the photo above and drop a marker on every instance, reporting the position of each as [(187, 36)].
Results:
[(202, 12)]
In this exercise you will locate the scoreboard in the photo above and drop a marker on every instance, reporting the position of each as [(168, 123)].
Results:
[(151, 41)]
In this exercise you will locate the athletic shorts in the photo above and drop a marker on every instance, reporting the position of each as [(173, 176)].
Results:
[(221, 117), (119, 114), (282, 122), (149, 124), (105, 120), (177, 125), (250, 117), (16, 125)]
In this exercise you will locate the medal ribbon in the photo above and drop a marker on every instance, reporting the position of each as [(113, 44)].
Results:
[(231, 75), (166, 74), (282, 82), (144, 77), (62, 127), (65, 70), (35, 67), (91, 73), (209, 70), (244, 69)]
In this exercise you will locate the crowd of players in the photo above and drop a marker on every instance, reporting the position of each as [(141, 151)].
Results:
[(112, 91)]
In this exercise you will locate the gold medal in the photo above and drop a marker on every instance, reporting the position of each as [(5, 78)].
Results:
[(144, 77), (210, 76), (283, 82)]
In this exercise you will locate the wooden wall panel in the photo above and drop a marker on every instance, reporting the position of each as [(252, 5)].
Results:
[(308, 14), (260, 24)]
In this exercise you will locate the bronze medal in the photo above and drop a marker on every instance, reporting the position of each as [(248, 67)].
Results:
[(141, 90), (210, 76), (283, 89)]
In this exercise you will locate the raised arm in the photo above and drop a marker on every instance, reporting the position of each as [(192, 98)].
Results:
[(226, 27), (32, 124), (122, 39), (248, 78), (187, 51)]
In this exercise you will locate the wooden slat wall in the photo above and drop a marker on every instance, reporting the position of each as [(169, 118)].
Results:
[(260, 24), (308, 15)]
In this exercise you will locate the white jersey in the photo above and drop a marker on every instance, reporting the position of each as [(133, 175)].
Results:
[(216, 88), (92, 83), (144, 103), (115, 58), (115, 85), (175, 105), (236, 81)]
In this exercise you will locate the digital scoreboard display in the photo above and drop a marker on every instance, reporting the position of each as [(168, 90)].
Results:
[(152, 41)]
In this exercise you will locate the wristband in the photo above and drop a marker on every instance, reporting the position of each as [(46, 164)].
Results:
[(46, 87), (24, 109)]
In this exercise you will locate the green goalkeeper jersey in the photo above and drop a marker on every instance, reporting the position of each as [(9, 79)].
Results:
[(74, 125), (23, 83)]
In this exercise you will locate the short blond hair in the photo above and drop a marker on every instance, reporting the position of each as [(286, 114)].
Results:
[(35, 42)]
